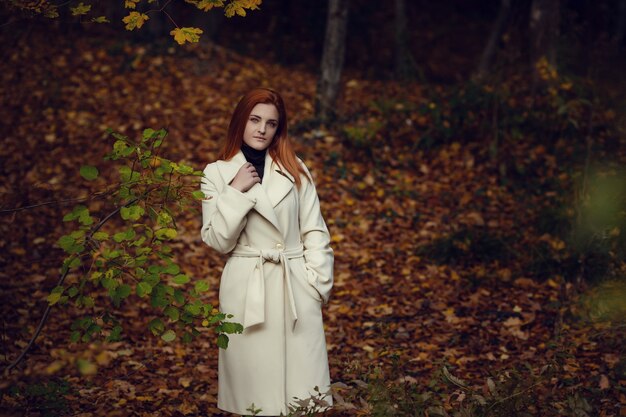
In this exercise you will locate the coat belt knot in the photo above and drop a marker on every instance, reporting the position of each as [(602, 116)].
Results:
[(254, 310), (272, 255)]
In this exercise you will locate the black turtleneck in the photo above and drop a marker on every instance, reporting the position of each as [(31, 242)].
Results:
[(256, 157)]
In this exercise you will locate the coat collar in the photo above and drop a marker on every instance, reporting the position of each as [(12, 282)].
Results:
[(276, 183)]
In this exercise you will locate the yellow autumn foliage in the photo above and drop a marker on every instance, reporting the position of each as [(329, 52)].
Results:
[(135, 20), (81, 9), (182, 35)]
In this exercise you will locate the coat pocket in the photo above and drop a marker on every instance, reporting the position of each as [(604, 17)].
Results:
[(302, 276)]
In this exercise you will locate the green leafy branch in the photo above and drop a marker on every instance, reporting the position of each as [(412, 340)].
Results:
[(135, 259)]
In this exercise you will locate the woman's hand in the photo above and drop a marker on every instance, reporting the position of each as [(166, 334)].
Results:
[(246, 177)]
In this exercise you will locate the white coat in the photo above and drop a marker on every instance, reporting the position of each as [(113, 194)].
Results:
[(278, 275)]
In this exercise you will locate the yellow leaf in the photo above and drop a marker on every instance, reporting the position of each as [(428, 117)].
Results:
[(505, 274), (512, 322), (100, 19), (343, 309), (135, 20), (80, 9), (131, 4), (104, 358), (86, 367), (552, 283), (557, 244), (239, 7), (182, 35), (18, 251), (187, 408), (54, 298), (233, 8), (51, 12), (337, 237), (144, 398), (250, 4), (54, 367), (206, 5), (180, 351)]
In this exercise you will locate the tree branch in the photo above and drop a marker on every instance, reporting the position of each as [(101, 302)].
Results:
[(62, 279), (46, 203)]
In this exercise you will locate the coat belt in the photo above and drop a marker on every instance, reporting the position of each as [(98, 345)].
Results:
[(254, 310)]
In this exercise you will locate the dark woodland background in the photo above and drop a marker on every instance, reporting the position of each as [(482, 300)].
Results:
[(475, 193)]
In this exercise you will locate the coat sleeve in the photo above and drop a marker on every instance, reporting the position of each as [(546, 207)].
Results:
[(223, 212), (318, 255)]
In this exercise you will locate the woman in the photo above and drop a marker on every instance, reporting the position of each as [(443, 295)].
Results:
[(262, 208)]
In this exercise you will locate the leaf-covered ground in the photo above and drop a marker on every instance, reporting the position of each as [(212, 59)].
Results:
[(478, 312)]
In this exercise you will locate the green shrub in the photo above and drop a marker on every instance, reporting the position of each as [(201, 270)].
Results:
[(47, 397), (468, 246)]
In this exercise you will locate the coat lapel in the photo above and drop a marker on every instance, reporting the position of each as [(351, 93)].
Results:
[(277, 182), (228, 169), (275, 185)]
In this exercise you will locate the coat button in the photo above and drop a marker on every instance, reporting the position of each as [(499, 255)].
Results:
[(279, 246)]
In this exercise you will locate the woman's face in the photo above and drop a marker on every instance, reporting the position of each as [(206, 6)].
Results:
[(261, 126)]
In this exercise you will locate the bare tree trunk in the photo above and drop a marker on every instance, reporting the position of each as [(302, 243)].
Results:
[(620, 26), (492, 43), (402, 68), (332, 59), (544, 33)]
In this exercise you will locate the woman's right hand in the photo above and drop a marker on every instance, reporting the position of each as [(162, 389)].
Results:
[(246, 177)]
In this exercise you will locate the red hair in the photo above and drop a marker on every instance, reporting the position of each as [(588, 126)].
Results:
[(280, 149)]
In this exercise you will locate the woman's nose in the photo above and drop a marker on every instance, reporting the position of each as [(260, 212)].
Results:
[(261, 127)]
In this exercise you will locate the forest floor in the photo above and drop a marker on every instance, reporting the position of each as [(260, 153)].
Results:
[(475, 305)]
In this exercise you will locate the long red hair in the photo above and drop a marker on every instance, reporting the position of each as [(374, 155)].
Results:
[(280, 149)]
